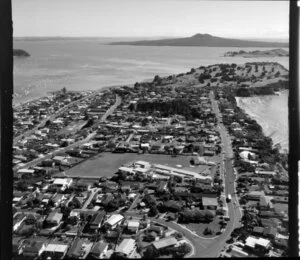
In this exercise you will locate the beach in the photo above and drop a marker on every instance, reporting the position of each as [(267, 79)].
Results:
[(271, 112)]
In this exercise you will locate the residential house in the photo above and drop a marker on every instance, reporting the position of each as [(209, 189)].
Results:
[(133, 225), (97, 220), (54, 218), (255, 195), (164, 243), (62, 183), (98, 250), (126, 248), (114, 220), (58, 198), (238, 252), (210, 201), (17, 245), (55, 250), (258, 231), (257, 244), (157, 229), (34, 248), (270, 232)]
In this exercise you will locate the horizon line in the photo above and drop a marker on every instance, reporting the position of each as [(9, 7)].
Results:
[(155, 36)]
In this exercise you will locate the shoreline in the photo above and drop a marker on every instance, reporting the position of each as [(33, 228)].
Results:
[(19, 104), (238, 100)]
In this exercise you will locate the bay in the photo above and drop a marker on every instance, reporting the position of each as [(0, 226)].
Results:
[(90, 64)]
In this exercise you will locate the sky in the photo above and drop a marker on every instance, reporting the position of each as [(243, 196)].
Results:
[(150, 18)]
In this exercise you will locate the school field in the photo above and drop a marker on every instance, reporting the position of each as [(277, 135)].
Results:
[(107, 164)]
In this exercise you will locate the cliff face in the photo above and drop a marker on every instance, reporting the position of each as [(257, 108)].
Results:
[(20, 53), (265, 90), (205, 40)]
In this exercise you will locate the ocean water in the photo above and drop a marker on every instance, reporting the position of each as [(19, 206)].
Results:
[(271, 112), (90, 64)]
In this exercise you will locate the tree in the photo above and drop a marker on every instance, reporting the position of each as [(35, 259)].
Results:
[(51, 203), (22, 186), (76, 203), (30, 220), (151, 252), (30, 203), (72, 220), (113, 205), (65, 211), (207, 231), (182, 250), (28, 232), (153, 211), (178, 235)]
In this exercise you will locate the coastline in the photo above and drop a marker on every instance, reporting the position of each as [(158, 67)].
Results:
[(19, 104), (267, 130)]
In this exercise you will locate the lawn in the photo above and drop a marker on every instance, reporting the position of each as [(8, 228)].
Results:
[(200, 227), (106, 164)]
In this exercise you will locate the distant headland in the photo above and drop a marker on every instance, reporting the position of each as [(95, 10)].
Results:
[(257, 53), (205, 40), (20, 53)]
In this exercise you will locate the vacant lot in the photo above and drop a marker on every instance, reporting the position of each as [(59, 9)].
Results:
[(106, 164)]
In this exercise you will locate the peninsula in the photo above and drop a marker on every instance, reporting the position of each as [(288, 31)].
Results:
[(258, 53), (20, 53), (169, 167), (204, 40)]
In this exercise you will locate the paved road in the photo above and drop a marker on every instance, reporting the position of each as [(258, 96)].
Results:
[(88, 201), (199, 245), (129, 138), (133, 204), (233, 206), (88, 138)]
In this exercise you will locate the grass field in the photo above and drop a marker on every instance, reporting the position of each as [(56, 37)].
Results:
[(199, 228), (106, 164)]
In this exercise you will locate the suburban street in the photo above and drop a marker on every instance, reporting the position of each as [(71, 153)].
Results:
[(211, 247), (50, 117), (88, 138)]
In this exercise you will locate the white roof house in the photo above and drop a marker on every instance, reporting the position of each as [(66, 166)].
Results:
[(245, 154), (30, 171), (114, 219), (56, 248), (133, 225), (57, 121), (252, 242), (263, 242), (165, 242), (127, 247), (62, 181)]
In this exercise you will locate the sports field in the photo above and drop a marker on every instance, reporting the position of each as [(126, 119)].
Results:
[(106, 164)]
